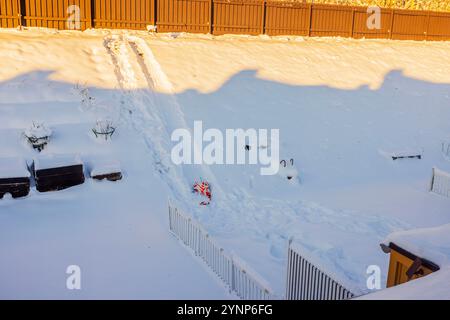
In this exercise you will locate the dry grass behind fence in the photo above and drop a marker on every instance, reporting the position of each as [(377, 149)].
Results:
[(433, 5)]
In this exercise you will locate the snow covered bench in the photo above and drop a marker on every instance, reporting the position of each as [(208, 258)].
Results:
[(14, 177), (57, 172), (109, 170)]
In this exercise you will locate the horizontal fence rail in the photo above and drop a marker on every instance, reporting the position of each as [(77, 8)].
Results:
[(233, 274), (440, 182), (219, 17), (305, 281)]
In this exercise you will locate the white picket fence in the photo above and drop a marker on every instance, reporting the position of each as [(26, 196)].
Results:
[(233, 274), (305, 281), (440, 182)]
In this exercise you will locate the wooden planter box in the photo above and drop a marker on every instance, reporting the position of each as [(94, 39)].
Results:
[(109, 170), (60, 172), (116, 176), (14, 177), (17, 187), (405, 266)]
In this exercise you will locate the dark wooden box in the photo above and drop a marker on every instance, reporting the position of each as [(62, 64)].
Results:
[(114, 176), (17, 187), (60, 178)]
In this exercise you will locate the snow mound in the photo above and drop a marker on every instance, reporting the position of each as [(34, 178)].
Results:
[(429, 243), (105, 167), (13, 167), (50, 161)]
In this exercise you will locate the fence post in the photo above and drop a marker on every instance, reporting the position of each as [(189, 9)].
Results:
[(432, 180), (263, 22), (428, 25), (233, 284), (170, 219), (309, 18), (211, 16), (392, 23), (92, 11), (22, 13), (88, 17), (155, 13), (19, 15), (288, 271), (353, 22)]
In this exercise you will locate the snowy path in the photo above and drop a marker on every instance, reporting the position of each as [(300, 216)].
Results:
[(150, 113)]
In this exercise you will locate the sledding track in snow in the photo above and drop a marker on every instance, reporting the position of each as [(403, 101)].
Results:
[(152, 113)]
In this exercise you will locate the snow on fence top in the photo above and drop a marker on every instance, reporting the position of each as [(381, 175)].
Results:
[(13, 167), (240, 263), (56, 161), (234, 272), (105, 167), (440, 182), (326, 269), (441, 173)]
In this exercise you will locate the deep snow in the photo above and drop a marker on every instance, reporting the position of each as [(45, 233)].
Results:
[(342, 107), (116, 232)]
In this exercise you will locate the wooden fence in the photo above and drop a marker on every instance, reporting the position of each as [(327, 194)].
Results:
[(305, 281), (184, 16), (227, 17), (238, 278), (123, 14), (10, 13), (56, 13)]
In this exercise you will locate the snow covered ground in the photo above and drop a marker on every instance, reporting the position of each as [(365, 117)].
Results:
[(115, 231), (342, 107)]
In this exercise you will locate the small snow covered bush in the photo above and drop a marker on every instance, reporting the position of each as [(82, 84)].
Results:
[(288, 170), (104, 129), (38, 135), (87, 100)]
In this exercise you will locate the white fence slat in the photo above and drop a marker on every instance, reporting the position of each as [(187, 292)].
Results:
[(307, 282), (440, 182)]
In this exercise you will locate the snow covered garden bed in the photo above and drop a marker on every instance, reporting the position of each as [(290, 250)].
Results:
[(14, 177)]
